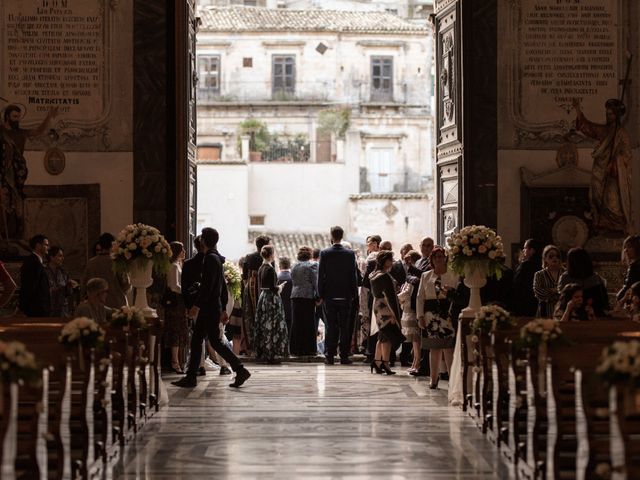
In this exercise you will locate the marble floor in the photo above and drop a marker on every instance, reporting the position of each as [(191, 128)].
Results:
[(309, 421)]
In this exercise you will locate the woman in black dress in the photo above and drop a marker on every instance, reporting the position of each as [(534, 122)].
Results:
[(271, 335), (386, 309)]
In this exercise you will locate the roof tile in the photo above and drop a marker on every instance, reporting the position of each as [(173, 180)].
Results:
[(252, 19)]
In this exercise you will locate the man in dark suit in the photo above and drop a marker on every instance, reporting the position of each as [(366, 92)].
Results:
[(413, 277), (35, 298), (400, 268), (337, 288), (209, 311), (524, 301)]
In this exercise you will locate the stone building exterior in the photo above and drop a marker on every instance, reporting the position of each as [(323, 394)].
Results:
[(345, 100)]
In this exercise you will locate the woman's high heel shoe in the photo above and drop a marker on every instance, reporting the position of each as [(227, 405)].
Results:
[(434, 386), (384, 367), (376, 367)]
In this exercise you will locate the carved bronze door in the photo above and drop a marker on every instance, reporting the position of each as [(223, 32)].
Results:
[(449, 148), (466, 113), (186, 82)]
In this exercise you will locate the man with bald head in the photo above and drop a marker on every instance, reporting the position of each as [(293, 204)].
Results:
[(413, 277)]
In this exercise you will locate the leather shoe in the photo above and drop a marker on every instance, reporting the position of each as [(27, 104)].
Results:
[(419, 373), (328, 361), (346, 361), (225, 371), (242, 375), (186, 382)]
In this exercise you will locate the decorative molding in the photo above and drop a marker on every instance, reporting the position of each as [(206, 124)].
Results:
[(454, 150), (558, 177), (381, 44), (283, 43), (391, 136), (442, 5), (389, 196)]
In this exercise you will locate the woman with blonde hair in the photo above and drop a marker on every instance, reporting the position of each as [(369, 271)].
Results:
[(545, 281)]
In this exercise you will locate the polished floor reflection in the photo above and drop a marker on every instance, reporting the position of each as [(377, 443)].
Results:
[(309, 421)]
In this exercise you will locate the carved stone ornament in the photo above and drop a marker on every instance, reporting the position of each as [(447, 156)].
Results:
[(569, 231), (54, 161), (449, 109), (450, 222), (446, 77), (390, 210)]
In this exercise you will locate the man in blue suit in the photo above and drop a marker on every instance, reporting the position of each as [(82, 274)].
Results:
[(337, 289)]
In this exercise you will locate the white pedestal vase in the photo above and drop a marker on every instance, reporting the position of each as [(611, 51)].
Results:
[(475, 277), (141, 277)]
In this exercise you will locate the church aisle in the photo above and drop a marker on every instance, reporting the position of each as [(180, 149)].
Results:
[(309, 421)]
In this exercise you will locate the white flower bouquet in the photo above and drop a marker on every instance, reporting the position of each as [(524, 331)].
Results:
[(620, 362), (475, 244), (17, 364), (140, 243), (82, 330), (491, 318), (127, 318), (233, 277), (540, 331)]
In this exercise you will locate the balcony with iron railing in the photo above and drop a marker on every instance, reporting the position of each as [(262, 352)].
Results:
[(320, 92), (406, 181)]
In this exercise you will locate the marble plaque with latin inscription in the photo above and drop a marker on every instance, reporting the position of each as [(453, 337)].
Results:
[(555, 51), (73, 55)]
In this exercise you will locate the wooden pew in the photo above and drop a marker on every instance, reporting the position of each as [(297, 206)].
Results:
[(552, 400), (72, 427)]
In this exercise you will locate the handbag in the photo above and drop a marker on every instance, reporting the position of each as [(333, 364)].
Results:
[(393, 332), (169, 299)]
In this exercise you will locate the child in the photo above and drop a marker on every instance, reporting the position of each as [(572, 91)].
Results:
[(571, 307), (632, 302)]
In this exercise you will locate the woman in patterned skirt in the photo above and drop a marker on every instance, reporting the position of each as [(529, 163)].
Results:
[(271, 340), (435, 293)]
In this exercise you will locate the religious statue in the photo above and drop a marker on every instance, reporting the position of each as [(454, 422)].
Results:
[(13, 169), (610, 192)]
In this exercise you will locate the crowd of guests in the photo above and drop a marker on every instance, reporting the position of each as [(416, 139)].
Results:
[(371, 303), (46, 289)]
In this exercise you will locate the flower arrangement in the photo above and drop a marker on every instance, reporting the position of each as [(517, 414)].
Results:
[(140, 243), (128, 317), (233, 278), (491, 318), (620, 362), (540, 331), (82, 330), (17, 364), (475, 244)]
